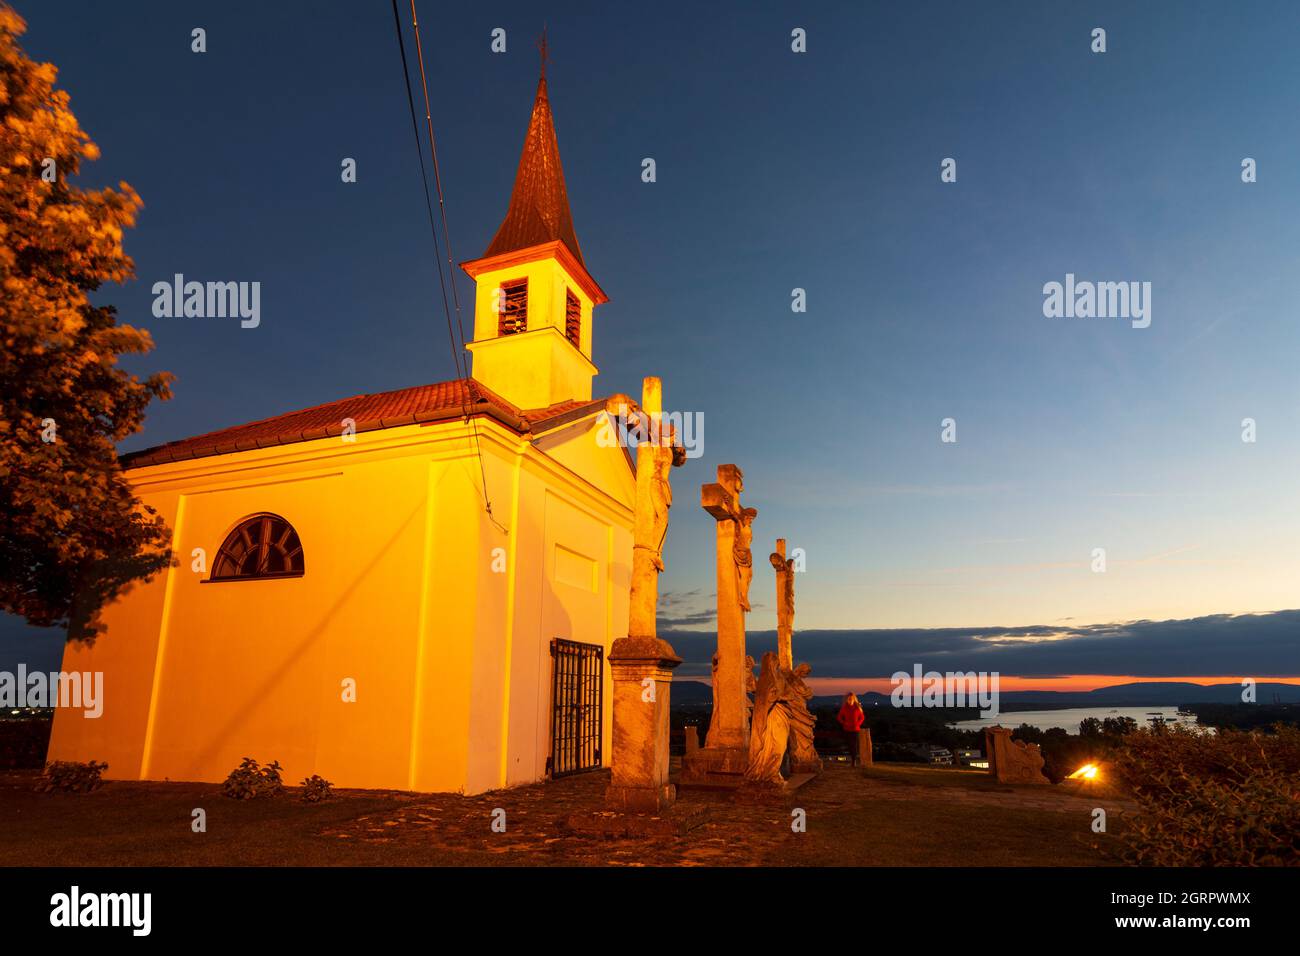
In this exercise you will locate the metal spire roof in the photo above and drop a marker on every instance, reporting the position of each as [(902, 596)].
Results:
[(539, 204)]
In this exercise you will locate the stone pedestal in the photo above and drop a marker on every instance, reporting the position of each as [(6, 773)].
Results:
[(692, 735), (715, 767), (642, 669), (804, 764), (864, 747)]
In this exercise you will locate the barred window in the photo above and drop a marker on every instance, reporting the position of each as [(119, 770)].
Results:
[(262, 546), (573, 319), (514, 308)]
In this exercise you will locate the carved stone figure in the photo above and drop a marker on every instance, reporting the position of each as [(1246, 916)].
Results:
[(661, 497), (654, 498), (770, 732), (1013, 761), (751, 685), (743, 555), (784, 604), (803, 754), (713, 716)]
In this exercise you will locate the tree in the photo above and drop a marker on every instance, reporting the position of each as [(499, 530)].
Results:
[(1090, 727), (1115, 727), (73, 536)]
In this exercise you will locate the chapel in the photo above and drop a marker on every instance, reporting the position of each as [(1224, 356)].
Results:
[(344, 601)]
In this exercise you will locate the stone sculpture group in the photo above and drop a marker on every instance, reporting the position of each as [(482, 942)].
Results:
[(754, 745), (748, 743)]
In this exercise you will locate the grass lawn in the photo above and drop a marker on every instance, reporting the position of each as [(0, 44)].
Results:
[(899, 815), (149, 824), (920, 775)]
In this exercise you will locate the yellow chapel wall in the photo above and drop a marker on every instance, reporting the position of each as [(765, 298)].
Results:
[(568, 571), (577, 591), (450, 658), (257, 667), (125, 654)]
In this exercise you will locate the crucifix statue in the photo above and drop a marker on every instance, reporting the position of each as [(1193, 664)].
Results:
[(655, 458), (784, 568), (729, 727), (744, 555), (801, 724), (641, 664)]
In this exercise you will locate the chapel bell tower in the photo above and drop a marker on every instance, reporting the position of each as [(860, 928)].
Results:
[(534, 298)]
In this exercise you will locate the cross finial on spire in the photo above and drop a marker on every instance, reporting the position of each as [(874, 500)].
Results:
[(539, 204)]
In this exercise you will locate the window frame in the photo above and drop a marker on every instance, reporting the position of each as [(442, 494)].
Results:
[(572, 319), (266, 541), (513, 322)]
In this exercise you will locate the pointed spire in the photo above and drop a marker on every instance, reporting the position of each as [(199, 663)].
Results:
[(539, 205)]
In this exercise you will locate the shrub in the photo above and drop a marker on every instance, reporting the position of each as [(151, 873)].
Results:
[(1064, 753), (71, 776), (1225, 799), (316, 788), (250, 780), (24, 742)]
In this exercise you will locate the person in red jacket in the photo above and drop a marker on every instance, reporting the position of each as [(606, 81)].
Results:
[(851, 718)]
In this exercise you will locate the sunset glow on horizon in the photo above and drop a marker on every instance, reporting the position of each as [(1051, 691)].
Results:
[(1069, 684), (1073, 683)]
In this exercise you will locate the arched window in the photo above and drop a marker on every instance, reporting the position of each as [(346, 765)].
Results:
[(263, 546)]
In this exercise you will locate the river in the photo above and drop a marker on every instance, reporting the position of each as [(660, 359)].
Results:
[(1068, 718)]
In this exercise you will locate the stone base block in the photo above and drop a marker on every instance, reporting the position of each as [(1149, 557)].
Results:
[(763, 792), (805, 766), (616, 825), (864, 747), (715, 767), (640, 799)]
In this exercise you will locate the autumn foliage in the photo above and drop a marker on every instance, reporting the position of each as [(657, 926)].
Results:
[(72, 534), (1207, 799)]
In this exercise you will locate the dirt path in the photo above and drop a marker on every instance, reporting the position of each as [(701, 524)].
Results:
[(893, 815), (851, 819)]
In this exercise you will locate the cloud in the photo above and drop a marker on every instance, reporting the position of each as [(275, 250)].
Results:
[(687, 620), (692, 608), (1258, 645)]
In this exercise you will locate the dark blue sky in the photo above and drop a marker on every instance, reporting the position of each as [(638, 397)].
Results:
[(775, 171)]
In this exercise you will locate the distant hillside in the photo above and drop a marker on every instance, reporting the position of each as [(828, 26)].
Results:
[(1137, 694), (691, 692)]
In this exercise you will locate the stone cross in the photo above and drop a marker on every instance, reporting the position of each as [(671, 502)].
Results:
[(654, 496), (803, 753), (730, 728), (641, 664), (784, 605)]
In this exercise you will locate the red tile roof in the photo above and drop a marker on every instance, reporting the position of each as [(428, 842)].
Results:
[(442, 401)]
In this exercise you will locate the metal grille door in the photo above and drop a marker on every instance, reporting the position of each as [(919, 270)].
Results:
[(577, 692)]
